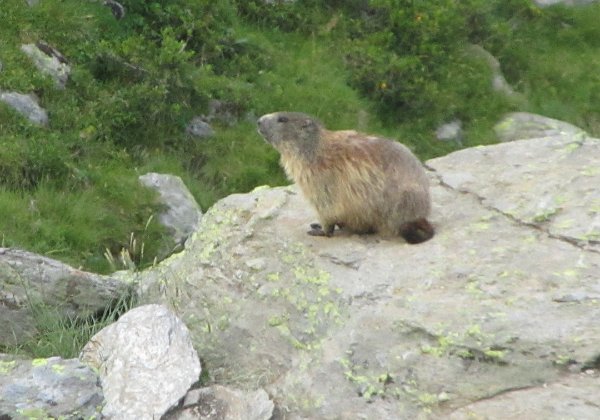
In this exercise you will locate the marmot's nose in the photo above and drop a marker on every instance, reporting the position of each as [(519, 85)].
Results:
[(261, 125)]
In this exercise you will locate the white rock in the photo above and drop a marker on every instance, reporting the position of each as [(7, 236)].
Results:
[(146, 363), (182, 213)]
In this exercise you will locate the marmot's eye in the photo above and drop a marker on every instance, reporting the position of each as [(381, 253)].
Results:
[(282, 119)]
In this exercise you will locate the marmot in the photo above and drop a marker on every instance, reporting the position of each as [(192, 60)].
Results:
[(362, 183)]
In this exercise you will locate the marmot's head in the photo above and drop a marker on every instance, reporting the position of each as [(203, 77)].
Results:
[(291, 131)]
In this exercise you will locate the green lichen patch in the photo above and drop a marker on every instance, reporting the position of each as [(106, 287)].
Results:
[(313, 304), (39, 362), (7, 366), (34, 413), (58, 369), (367, 385), (216, 226)]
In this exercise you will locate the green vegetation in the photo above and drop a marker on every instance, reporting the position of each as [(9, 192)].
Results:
[(394, 67), (65, 336)]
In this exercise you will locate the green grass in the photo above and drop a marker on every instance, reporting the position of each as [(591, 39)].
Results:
[(62, 335), (554, 61)]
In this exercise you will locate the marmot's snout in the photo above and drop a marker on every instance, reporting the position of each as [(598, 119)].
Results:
[(260, 124), (263, 127)]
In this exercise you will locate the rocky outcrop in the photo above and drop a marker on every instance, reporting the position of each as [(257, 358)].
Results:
[(47, 388), (496, 316), (29, 280), (146, 363), (503, 298), (523, 125), (181, 214), (27, 105)]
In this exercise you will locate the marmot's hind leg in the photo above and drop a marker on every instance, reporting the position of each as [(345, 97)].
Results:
[(417, 231)]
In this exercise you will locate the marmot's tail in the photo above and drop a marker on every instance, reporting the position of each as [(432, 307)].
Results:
[(417, 231)]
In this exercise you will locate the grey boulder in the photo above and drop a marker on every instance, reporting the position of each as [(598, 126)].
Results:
[(27, 105), (47, 388), (181, 214)]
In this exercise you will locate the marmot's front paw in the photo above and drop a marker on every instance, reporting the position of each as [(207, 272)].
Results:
[(317, 230)]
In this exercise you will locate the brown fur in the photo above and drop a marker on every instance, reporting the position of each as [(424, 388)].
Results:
[(362, 183)]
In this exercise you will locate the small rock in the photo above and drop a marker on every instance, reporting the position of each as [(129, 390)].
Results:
[(221, 403), (199, 128), (182, 213), (26, 105), (146, 362), (451, 131), (47, 388)]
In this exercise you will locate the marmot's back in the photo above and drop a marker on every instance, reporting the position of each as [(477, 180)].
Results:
[(356, 181)]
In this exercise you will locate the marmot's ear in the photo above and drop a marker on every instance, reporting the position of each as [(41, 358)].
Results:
[(307, 123)]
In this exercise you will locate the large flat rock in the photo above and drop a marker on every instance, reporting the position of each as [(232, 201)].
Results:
[(506, 296)]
